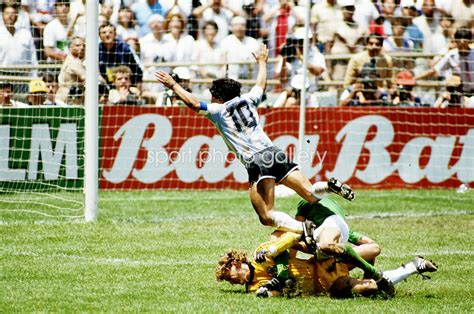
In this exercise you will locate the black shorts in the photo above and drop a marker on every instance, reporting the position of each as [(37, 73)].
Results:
[(271, 163)]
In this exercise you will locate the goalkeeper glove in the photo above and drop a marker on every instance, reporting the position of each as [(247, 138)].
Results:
[(260, 256), (263, 292)]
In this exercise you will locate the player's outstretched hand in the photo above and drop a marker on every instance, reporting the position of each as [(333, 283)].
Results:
[(165, 79), (261, 55)]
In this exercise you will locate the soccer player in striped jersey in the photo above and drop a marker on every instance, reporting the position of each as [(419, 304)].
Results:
[(236, 118)]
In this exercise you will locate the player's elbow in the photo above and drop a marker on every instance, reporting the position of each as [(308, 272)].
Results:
[(193, 104)]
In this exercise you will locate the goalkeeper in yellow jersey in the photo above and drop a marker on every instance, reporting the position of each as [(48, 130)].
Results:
[(284, 274)]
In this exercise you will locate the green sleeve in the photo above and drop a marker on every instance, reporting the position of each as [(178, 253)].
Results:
[(281, 262), (354, 237)]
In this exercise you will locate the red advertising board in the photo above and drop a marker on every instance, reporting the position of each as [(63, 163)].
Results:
[(174, 148)]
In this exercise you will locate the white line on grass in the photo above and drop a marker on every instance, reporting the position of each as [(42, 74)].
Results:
[(140, 263), (412, 214), (134, 220), (110, 260), (38, 213)]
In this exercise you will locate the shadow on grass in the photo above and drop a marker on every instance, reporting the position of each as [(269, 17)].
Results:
[(232, 291)]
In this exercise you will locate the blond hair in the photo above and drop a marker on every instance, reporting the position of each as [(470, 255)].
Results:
[(226, 261), (121, 69)]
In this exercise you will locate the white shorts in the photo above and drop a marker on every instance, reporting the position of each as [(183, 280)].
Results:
[(334, 221)]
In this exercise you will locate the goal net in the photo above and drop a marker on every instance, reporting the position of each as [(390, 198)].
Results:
[(387, 88)]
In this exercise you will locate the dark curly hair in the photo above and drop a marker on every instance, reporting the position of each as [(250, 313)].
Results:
[(231, 257), (225, 89)]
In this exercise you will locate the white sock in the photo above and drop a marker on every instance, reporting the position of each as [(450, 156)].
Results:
[(284, 222), (320, 189), (401, 273)]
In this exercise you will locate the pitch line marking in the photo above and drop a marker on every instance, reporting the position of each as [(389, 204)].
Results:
[(135, 263), (111, 260), (76, 219)]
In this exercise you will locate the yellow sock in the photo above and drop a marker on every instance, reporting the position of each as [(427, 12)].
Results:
[(286, 241)]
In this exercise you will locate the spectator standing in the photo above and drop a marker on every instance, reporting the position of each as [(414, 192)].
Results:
[(6, 91), (16, 44), (395, 41), (412, 35), (23, 18), (178, 44), (281, 19), (73, 71), (324, 17), (347, 38), (254, 13), (143, 10), (113, 52), (388, 11), (113, 7), (458, 61), (126, 27), (56, 32), (365, 13), (238, 47), (445, 39), (217, 11), (185, 6), (206, 50), (373, 54), (463, 13), (152, 50), (42, 13), (428, 24), (77, 11)]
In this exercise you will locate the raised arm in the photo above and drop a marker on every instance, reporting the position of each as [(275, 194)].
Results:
[(189, 99), (261, 56)]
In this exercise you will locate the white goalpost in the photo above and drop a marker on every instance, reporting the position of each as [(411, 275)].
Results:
[(91, 180), (302, 120)]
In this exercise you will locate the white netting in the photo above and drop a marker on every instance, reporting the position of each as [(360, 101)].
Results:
[(361, 53)]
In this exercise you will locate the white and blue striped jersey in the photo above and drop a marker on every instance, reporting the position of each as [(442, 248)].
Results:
[(238, 123)]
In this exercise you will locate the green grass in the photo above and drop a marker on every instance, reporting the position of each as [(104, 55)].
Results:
[(156, 251)]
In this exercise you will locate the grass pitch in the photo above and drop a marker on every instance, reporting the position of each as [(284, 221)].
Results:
[(156, 251)]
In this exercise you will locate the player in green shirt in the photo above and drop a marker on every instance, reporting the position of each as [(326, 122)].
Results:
[(333, 237)]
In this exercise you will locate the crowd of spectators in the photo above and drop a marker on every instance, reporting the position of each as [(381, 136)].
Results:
[(351, 46)]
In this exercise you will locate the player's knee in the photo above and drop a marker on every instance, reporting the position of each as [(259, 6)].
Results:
[(376, 249), (265, 219)]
